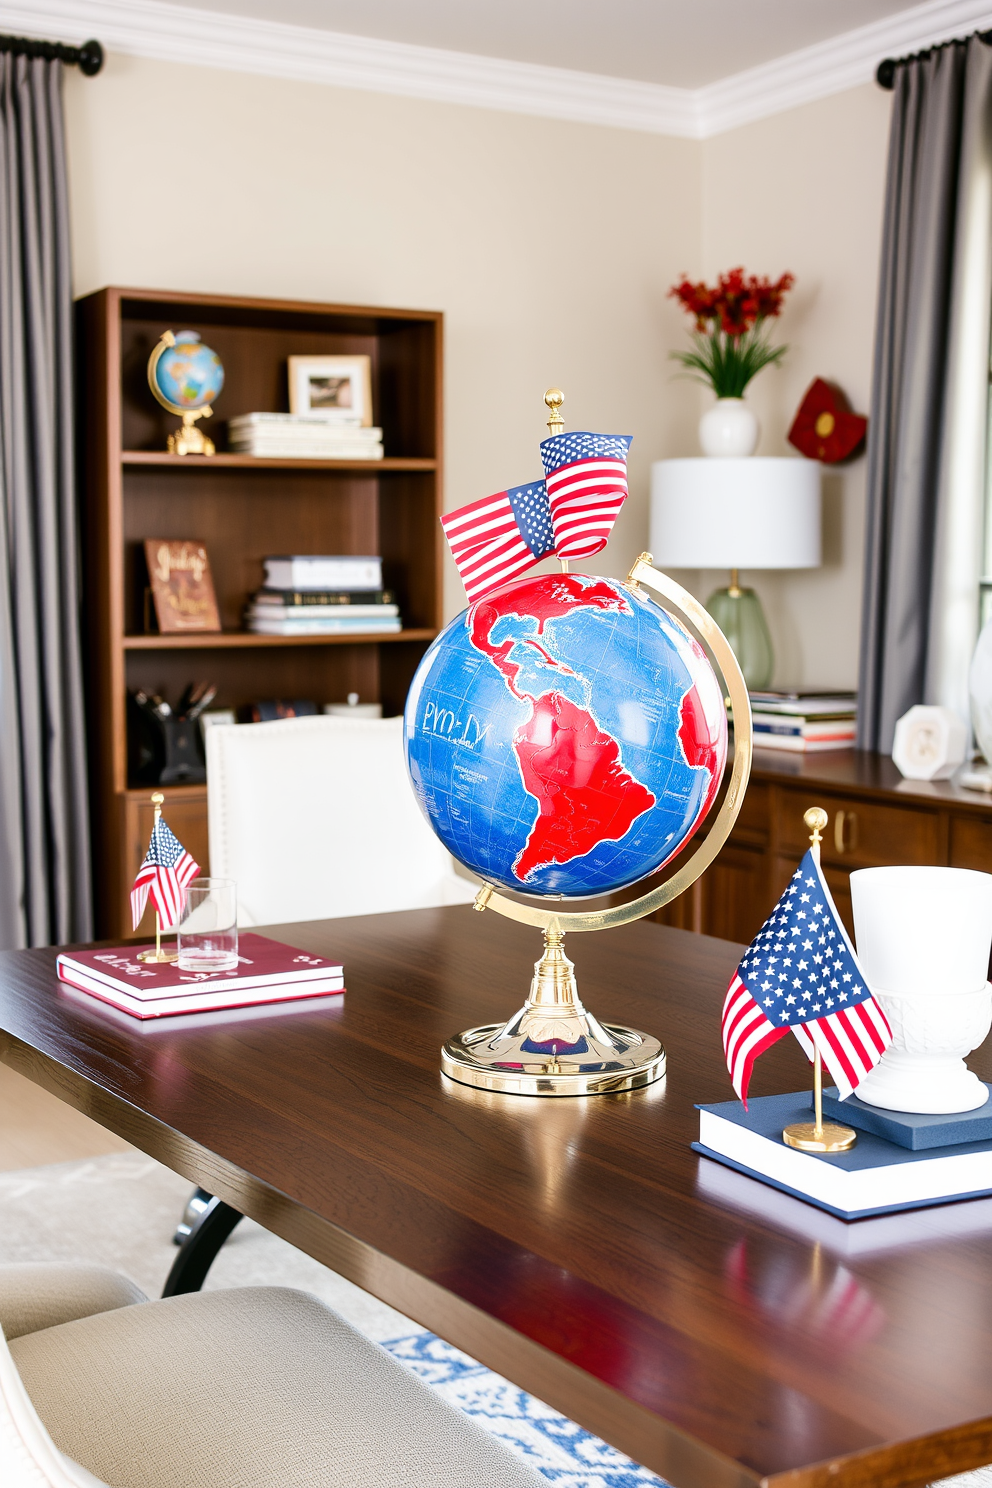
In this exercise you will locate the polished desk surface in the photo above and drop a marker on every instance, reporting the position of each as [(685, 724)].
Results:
[(716, 1330)]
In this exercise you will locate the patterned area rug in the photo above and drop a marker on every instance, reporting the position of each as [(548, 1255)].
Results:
[(565, 1454)]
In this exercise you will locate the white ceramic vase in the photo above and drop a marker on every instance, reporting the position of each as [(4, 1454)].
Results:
[(729, 429), (923, 938)]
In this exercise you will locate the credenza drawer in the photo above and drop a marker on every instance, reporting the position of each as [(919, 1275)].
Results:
[(971, 843), (859, 833)]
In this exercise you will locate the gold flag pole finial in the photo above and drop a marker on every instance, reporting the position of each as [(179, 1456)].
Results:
[(554, 398), (830, 1137), (158, 801)]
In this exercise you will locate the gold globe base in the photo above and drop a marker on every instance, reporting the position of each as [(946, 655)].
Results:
[(553, 1046)]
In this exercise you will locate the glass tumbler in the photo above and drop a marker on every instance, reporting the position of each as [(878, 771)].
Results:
[(208, 927)]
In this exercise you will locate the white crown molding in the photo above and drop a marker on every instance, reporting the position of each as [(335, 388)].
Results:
[(845, 61), (175, 33)]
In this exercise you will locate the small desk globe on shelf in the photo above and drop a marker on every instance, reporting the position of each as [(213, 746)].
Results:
[(565, 736), (186, 377)]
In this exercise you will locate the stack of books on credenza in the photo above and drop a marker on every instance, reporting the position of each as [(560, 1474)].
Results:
[(313, 594), (303, 436), (267, 972), (804, 722)]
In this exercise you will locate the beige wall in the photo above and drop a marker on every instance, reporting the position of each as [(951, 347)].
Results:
[(550, 248), (803, 191), (547, 245)]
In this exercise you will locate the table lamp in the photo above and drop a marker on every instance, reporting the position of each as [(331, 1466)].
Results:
[(758, 512)]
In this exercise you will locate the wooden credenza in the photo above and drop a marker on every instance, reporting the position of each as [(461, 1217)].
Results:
[(875, 817)]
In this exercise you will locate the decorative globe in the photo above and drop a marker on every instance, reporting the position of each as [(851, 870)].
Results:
[(188, 375), (565, 736)]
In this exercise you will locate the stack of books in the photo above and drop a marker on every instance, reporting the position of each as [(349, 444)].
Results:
[(303, 436), (804, 721), (267, 972), (323, 595)]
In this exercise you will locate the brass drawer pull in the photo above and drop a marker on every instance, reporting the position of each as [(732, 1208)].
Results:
[(846, 831)]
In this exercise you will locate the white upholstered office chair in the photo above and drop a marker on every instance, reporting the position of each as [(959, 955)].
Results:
[(259, 1387), (315, 818)]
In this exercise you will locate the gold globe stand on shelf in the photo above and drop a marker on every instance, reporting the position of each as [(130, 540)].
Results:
[(614, 1057), (189, 440)]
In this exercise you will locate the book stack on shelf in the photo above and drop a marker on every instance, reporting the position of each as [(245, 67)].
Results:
[(303, 436), (323, 595), (805, 722)]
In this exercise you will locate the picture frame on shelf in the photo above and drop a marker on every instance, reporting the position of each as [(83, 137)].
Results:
[(333, 387)]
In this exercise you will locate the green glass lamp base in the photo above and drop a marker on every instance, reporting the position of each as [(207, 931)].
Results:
[(739, 615)]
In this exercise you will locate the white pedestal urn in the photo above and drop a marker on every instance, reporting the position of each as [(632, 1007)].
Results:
[(729, 429), (923, 939)]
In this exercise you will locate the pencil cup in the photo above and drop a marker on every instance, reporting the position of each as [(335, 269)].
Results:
[(923, 938), (208, 927)]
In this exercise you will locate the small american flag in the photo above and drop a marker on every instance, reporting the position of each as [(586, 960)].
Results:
[(494, 540), (164, 874), (587, 485), (801, 972)]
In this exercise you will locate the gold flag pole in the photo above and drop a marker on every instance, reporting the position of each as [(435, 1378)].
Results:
[(818, 1137), (163, 957), (554, 398)]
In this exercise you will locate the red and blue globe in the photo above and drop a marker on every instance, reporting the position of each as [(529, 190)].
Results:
[(565, 736)]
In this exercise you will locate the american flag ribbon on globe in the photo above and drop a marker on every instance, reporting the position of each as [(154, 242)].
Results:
[(571, 513), (164, 874), (498, 538), (801, 973), (586, 477)]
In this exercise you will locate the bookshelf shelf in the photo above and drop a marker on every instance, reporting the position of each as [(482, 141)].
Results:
[(242, 509), (244, 639), (186, 464)]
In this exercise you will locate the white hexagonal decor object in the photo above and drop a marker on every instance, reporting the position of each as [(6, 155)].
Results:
[(930, 743)]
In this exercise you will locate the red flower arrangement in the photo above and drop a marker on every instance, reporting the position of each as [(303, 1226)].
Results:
[(731, 344)]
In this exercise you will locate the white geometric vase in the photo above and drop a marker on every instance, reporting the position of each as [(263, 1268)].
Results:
[(923, 938)]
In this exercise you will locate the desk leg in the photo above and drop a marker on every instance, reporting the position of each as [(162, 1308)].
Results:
[(199, 1250), (198, 1201)]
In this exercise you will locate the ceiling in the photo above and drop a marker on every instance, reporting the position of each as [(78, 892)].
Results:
[(681, 43)]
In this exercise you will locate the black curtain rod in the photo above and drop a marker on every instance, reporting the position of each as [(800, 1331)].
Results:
[(88, 57), (885, 73)]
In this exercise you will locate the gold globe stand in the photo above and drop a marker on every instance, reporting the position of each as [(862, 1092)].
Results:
[(189, 440), (587, 1057)]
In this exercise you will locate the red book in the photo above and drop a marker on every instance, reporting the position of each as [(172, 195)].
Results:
[(267, 971)]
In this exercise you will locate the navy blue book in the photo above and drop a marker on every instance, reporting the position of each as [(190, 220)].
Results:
[(875, 1177)]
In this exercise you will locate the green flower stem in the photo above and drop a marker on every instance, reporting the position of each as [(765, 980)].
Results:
[(727, 363)]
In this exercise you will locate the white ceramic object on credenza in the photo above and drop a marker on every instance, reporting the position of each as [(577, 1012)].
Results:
[(923, 938), (929, 743), (729, 430), (980, 691)]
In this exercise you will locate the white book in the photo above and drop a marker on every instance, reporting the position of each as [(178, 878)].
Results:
[(873, 1176), (799, 745), (273, 451), (318, 571), (299, 613), (324, 627), (291, 421)]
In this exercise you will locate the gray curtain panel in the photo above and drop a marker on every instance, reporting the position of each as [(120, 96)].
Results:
[(44, 832), (927, 437)]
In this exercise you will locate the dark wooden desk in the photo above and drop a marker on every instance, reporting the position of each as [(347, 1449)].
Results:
[(717, 1331)]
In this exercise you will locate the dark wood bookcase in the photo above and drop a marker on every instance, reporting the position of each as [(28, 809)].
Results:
[(242, 509)]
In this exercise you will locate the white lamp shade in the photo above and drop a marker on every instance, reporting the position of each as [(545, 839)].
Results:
[(728, 513)]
